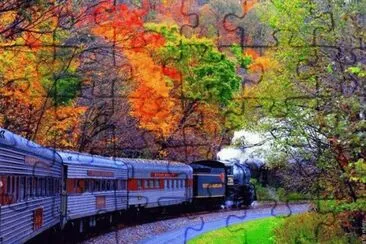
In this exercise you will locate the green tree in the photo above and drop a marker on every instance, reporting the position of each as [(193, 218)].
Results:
[(314, 93)]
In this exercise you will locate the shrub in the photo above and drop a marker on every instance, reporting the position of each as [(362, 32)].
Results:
[(312, 228)]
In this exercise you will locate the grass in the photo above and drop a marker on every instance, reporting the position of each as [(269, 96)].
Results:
[(254, 231)]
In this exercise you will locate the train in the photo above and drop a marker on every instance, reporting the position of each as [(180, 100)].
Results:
[(43, 188)]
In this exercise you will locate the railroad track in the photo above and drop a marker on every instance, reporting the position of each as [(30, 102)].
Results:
[(136, 229), (173, 229)]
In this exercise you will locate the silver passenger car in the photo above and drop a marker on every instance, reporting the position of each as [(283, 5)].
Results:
[(94, 185), (155, 183), (30, 187)]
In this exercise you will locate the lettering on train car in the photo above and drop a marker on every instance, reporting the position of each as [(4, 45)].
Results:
[(100, 173), (100, 202), (162, 174), (211, 185), (2, 134), (34, 161), (37, 218)]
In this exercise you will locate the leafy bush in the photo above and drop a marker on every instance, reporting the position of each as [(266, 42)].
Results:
[(312, 228), (262, 193), (278, 194), (335, 206)]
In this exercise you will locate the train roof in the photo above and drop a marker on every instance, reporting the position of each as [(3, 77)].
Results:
[(145, 167), (208, 163), (152, 162), (75, 157), (11, 140)]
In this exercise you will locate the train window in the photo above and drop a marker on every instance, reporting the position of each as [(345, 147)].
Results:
[(91, 185), (145, 184), (22, 188), (80, 186), (44, 186), (157, 185), (139, 184), (119, 184), (171, 184), (97, 185), (69, 185), (151, 184), (124, 184), (86, 185), (58, 186), (176, 184), (108, 185), (48, 186), (181, 183), (34, 185), (13, 185), (166, 184), (39, 187)]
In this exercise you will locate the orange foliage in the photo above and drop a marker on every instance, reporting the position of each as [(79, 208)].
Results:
[(248, 5), (60, 127), (150, 98), (116, 23)]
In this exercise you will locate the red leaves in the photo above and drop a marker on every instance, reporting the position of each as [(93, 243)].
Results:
[(31, 41), (172, 73)]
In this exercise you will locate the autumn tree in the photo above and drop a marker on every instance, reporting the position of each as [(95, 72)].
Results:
[(38, 80)]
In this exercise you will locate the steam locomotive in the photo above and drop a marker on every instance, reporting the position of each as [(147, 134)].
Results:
[(42, 188)]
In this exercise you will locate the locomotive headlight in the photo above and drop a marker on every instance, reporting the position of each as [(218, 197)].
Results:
[(1, 184)]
